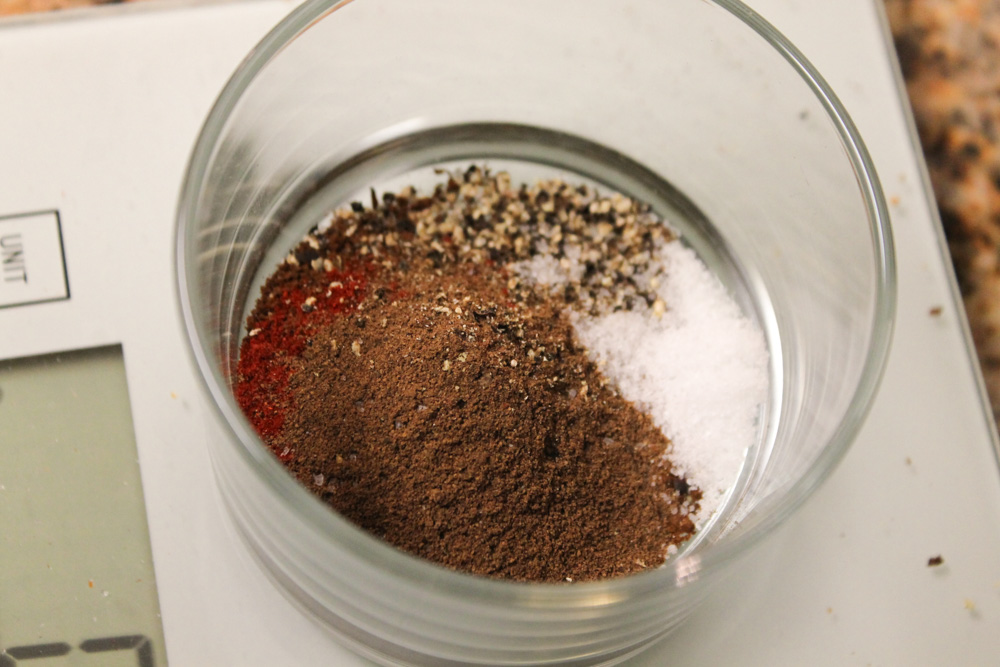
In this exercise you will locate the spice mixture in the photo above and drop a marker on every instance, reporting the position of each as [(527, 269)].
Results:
[(417, 364)]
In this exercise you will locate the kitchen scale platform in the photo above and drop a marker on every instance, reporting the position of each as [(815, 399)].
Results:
[(115, 548)]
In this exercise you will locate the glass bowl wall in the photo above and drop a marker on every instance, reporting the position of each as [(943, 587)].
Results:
[(699, 107)]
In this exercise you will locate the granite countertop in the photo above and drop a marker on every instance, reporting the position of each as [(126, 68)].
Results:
[(949, 51), (18, 7)]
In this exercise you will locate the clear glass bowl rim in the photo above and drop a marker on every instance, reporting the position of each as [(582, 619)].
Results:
[(676, 573)]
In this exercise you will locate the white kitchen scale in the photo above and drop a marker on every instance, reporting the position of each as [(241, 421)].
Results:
[(115, 548)]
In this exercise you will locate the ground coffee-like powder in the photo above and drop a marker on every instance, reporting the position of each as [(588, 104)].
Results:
[(449, 410)]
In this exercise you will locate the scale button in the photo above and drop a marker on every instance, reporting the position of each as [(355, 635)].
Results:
[(32, 261)]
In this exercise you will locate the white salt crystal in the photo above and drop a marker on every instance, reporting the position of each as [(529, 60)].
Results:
[(699, 371), (325, 223), (544, 269)]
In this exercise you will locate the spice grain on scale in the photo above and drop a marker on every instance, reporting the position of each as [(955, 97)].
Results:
[(419, 365)]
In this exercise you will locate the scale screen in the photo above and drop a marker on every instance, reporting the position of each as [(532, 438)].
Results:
[(76, 574)]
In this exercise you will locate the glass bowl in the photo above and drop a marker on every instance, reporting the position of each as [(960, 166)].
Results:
[(700, 108)]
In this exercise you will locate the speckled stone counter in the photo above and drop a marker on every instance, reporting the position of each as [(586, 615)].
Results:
[(19, 7), (950, 56)]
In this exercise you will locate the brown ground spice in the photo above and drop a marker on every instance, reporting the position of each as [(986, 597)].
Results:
[(463, 425)]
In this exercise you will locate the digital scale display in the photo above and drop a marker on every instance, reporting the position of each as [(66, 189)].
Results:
[(77, 586)]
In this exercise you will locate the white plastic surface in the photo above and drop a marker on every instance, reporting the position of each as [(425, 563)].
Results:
[(97, 117)]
